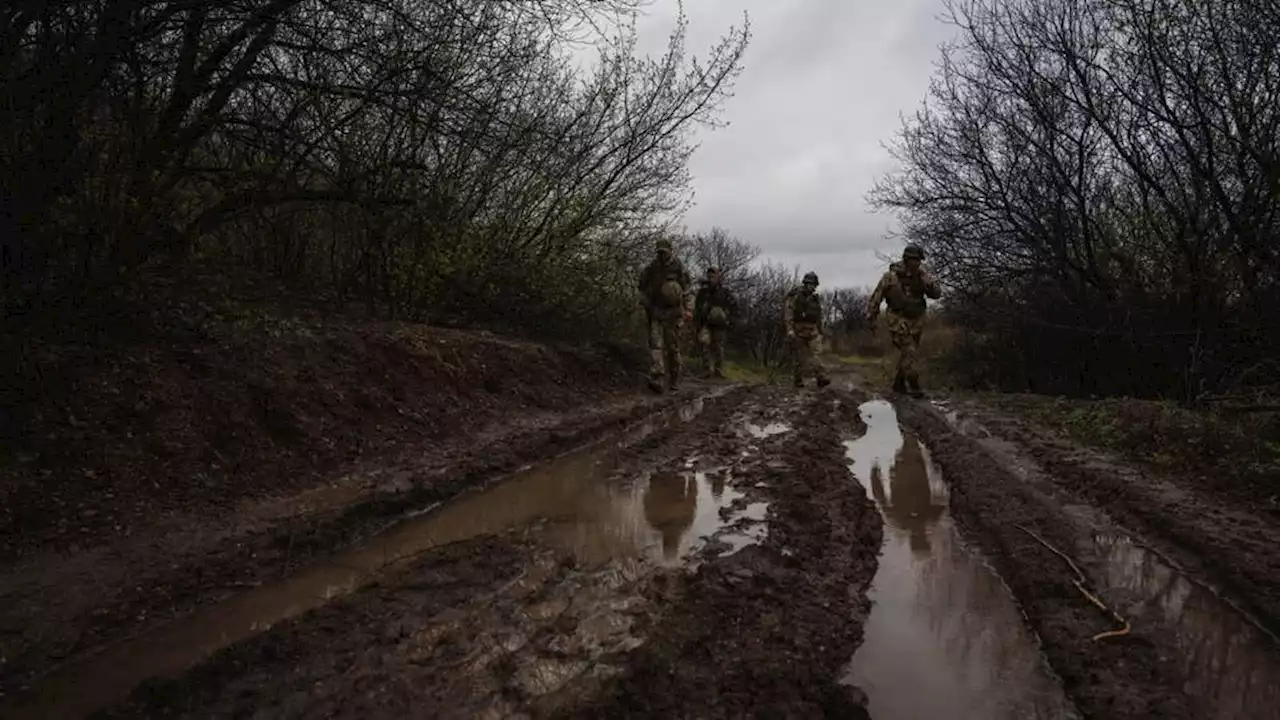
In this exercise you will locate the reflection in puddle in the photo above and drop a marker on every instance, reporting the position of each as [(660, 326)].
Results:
[(763, 431), (1227, 661), (663, 517), (944, 638), (1230, 665)]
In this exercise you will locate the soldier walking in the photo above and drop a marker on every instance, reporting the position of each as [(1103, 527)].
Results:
[(664, 289), (713, 311), (904, 287), (802, 313)]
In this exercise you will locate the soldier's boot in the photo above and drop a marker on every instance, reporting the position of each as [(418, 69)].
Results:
[(913, 383), (718, 374), (673, 379), (798, 382), (823, 381), (899, 383), (655, 384)]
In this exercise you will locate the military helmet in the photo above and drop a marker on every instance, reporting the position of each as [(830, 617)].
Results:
[(811, 278), (713, 270), (912, 252), (663, 244)]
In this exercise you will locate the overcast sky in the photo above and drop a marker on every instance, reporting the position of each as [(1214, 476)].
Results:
[(823, 87)]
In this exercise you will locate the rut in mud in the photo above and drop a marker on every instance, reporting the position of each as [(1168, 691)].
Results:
[(758, 551), (723, 555), (1191, 653), (944, 638)]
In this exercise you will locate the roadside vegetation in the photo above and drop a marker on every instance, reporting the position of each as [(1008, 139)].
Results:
[(1095, 183), (1096, 186)]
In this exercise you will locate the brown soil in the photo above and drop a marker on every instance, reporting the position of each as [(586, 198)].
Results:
[(763, 633), (511, 624), (148, 479), (1227, 537), (103, 438), (1006, 479), (152, 480)]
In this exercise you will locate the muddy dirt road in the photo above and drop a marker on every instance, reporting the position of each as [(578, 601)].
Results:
[(737, 551)]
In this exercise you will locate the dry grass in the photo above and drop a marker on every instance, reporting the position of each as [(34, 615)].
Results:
[(1238, 455), (875, 356)]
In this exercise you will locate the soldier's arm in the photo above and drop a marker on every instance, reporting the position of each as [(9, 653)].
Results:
[(877, 297), (931, 286), (700, 306)]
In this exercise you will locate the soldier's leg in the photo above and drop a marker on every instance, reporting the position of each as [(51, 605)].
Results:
[(911, 361), (656, 369), (815, 362), (717, 352), (704, 349), (671, 344), (800, 360), (900, 334)]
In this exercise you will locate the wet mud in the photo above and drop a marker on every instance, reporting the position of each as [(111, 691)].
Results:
[(1229, 543), (766, 632), (1189, 654), (724, 558), (944, 638), (277, 553)]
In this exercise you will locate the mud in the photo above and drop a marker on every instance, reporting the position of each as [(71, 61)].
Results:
[(57, 608), (944, 638), (623, 562), (1231, 544), (766, 632), (1174, 664)]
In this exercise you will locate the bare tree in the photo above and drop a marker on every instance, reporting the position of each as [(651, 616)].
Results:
[(1090, 179), (434, 158)]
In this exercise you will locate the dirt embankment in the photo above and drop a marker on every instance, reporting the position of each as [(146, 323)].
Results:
[(520, 624), (140, 480), (100, 438)]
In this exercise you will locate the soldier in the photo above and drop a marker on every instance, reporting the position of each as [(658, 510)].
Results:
[(670, 506), (664, 288), (713, 311), (905, 287), (803, 317)]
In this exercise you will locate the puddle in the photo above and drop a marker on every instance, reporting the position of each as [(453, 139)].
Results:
[(1232, 665), (763, 431), (664, 517), (944, 638), (1229, 662)]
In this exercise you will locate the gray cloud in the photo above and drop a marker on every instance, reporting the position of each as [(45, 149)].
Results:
[(824, 86)]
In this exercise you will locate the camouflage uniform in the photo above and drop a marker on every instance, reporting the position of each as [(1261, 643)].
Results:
[(905, 291), (802, 314), (666, 311), (713, 311)]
